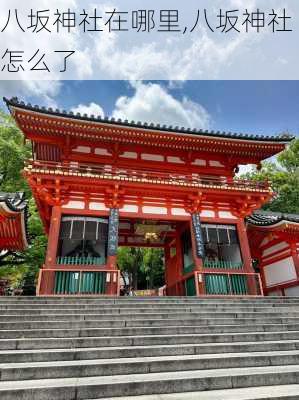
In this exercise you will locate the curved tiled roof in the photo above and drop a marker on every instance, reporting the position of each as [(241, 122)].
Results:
[(16, 203), (268, 218), (14, 102)]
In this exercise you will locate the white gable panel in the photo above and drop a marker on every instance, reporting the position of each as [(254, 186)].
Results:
[(280, 272)]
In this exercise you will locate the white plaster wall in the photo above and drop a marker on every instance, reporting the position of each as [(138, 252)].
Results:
[(207, 213), (102, 152), (273, 249), (280, 272), (129, 154), (154, 210), (179, 211), (215, 164), (176, 160), (226, 214), (152, 157), (292, 291), (75, 204), (82, 149), (198, 161), (97, 206), (129, 208)]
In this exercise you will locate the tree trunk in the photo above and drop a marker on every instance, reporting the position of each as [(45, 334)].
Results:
[(135, 277)]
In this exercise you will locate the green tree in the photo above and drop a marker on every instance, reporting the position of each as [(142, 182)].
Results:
[(153, 267), (13, 152), (143, 266), (284, 177), (129, 260)]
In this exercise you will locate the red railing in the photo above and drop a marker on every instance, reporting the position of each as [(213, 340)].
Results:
[(142, 175)]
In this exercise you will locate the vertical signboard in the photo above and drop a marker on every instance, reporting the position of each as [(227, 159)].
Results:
[(113, 231), (196, 224)]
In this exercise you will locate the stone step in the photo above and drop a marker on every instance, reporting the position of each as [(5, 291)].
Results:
[(138, 300), (126, 313), (143, 304), (149, 383), (284, 392), (64, 347), (93, 306), (71, 354), (210, 299), (144, 365), (148, 340), (203, 316), (146, 331), (153, 308), (144, 314), (120, 323)]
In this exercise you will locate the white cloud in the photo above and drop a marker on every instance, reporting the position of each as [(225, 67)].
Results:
[(203, 56), (44, 90), (90, 109), (152, 103)]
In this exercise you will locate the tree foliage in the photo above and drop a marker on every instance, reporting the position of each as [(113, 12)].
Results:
[(152, 267), (144, 267), (284, 177), (19, 266), (13, 153)]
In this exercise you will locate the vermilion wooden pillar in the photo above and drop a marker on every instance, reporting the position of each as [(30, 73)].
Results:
[(46, 281), (46, 275), (179, 263), (246, 256), (53, 237), (244, 246), (174, 264)]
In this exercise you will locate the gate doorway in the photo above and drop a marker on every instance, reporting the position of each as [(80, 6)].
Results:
[(142, 271), (145, 258)]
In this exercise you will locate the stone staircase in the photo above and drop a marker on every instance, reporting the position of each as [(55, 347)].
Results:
[(153, 348)]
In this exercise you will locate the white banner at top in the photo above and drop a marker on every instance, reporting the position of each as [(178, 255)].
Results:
[(140, 40)]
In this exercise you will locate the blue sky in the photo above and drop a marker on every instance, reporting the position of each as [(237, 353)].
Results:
[(266, 107)]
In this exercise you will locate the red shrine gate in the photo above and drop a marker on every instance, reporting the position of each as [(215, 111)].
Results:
[(99, 183)]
